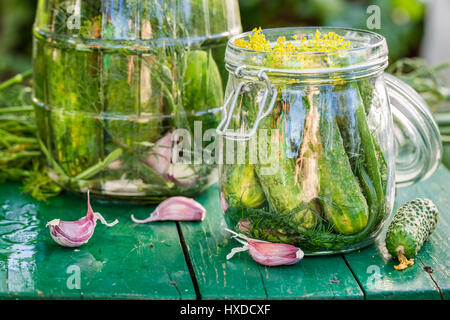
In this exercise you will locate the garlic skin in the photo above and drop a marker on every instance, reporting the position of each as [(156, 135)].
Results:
[(76, 233), (267, 253), (176, 209)]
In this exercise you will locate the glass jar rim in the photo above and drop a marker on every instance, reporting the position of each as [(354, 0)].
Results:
[(368, 54)]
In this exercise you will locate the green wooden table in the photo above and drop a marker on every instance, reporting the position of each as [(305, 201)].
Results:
[(171, 260)]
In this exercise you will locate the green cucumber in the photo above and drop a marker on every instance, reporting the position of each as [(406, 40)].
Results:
[(412, 225), (202, 82), (242, 186), (285, 195), (341, 196)]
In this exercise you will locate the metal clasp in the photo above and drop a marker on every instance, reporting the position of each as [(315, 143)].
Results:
[(231, 100)]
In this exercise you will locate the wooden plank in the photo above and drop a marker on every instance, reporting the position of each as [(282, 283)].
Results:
[(374, 267), (242, 278), (127, 261)]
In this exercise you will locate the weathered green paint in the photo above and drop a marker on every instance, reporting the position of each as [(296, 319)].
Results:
[(126, 261), (374, 267), (208, 245), (242, 278), (312, 278), (147, 262)]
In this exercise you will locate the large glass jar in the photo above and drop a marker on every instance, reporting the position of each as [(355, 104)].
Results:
[(120, 84), (314, 142)]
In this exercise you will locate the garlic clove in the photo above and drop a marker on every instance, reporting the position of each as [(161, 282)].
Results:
[(274, 254), (176, 209), (76, 233), (223, 202), (71, 233), (160, 158), (267, 253)]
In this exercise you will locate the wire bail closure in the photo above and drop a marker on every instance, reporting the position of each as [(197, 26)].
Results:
[(230, 104)]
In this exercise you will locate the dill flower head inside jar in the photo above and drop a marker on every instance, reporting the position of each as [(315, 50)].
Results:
[(309, 152)]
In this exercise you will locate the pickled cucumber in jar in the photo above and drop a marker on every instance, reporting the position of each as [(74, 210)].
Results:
[(321, 168)]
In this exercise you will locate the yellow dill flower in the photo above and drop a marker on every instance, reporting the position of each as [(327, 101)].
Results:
[(241, 43), (257, 41), (314, 42), (327, 42), (283, 51), (283, 46)]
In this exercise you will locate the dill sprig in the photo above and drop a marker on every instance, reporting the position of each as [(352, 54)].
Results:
[(276, 227), (20, 156)]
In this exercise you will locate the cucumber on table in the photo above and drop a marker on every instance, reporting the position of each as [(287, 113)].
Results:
[(412, 225)]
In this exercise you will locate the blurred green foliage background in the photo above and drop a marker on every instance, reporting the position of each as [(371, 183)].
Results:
[(16, 21), (401, 23), (401, 20)]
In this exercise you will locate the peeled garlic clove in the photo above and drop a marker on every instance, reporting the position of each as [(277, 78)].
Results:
[(267, 253), (176, 209), (76, 233)]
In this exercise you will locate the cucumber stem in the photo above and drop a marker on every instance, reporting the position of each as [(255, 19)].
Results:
[(404, 262)]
